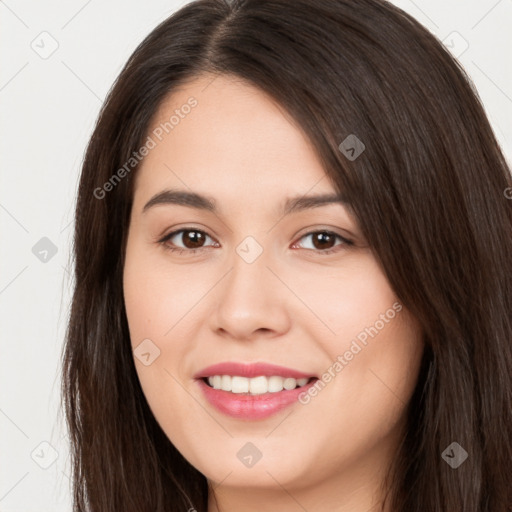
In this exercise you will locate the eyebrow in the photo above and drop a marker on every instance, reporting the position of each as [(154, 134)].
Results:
[(198, 201)]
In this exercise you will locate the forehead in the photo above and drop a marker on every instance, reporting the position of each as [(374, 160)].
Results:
[(228, 139)]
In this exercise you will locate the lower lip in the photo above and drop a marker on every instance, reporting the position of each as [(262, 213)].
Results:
[(251, 407)]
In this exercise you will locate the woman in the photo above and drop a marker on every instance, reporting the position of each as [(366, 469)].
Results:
[(293, 272)]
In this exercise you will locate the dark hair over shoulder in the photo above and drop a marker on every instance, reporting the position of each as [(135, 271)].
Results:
[(428, 192)]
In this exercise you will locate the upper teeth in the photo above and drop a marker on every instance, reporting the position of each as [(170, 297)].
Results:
[(256, 385)]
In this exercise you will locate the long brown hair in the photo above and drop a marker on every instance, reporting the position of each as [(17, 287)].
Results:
[(428, 191)]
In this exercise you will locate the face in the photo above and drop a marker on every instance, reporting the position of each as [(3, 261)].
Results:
[(266, 337)]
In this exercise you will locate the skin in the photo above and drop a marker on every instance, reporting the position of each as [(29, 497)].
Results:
[(293, 306)]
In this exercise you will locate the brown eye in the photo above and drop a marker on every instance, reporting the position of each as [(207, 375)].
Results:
[(185, 239), (324, 242), (192, 239)]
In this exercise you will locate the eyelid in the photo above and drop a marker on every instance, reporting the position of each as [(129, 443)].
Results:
[(342, 233)]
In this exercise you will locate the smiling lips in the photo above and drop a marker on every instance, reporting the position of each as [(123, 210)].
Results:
[(252, 391)]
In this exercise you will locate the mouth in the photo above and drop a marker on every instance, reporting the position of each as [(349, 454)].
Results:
[(252, 391)]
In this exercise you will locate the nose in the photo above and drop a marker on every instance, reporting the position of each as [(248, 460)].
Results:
[(251, 302)]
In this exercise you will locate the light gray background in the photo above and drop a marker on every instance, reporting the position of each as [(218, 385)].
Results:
[(49, 105)]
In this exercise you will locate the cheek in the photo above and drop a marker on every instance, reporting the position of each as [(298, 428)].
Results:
[(159, 304), (363, 406), (373, 346), (345, 299), (158, 296)]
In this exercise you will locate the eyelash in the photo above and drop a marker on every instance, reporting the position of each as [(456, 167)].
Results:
[(180, 250)]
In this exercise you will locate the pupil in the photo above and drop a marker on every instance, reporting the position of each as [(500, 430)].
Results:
[(324, 238), (196, 238)]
